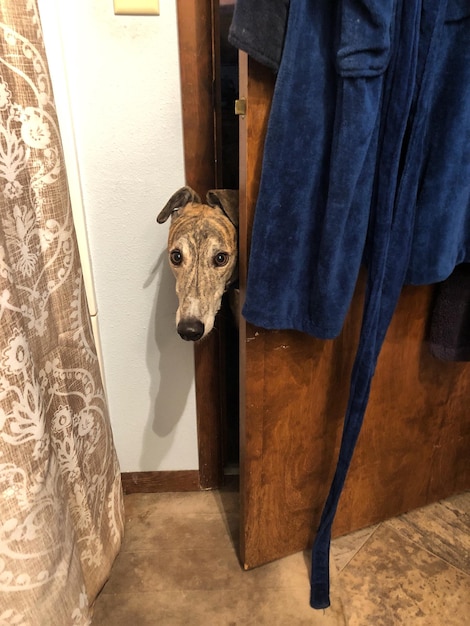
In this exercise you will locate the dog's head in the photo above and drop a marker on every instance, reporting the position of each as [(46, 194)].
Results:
[(202, 250)]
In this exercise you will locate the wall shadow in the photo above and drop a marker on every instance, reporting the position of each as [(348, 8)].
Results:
[(170, 363)]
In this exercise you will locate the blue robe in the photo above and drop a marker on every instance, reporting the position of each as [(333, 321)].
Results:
[(366, 160)]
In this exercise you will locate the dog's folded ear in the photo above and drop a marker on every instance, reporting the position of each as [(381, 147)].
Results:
[(227, 200), (178, 200)]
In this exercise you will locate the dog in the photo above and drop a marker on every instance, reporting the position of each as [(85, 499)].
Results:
[(203, 255)]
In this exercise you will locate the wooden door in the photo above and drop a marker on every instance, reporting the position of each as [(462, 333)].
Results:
[(414, 445)]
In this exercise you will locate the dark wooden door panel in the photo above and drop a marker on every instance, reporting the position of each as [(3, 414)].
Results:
[(414, 445)]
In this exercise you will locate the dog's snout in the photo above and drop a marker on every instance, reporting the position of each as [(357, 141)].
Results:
[(190, 329)]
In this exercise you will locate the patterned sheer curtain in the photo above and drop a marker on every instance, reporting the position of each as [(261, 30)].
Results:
[(61, 513)]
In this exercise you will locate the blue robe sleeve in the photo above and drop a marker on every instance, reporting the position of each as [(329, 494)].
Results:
[(317, 183)]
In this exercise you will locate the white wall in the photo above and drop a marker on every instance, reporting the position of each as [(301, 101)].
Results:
[(123, 82)]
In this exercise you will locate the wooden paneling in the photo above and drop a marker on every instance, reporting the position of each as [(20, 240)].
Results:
[(156, 482), (413, 449), (255, 86), (195, 31), (414, 445), (195, 49)]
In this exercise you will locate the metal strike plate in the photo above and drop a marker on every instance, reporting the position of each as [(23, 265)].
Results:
[(240, 107)]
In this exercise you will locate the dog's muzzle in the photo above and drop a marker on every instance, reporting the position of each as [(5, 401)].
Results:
[(190, 329)]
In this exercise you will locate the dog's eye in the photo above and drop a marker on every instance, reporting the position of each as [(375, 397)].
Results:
[(221, 259), (176, 257)]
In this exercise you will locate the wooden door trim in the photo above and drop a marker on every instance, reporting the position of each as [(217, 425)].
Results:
[(256, 84), (196, 51), (160, 482)]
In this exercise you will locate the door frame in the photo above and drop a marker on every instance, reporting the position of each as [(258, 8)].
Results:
[(198, 49)]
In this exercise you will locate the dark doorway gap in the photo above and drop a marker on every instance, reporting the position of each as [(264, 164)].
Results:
[(230, 177)]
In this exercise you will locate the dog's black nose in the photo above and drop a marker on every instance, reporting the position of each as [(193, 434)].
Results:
[(190, 329)]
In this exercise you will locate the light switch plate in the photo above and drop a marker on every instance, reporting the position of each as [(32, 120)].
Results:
[(136, 7)]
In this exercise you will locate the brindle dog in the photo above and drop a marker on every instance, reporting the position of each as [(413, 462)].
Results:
[(202, 250)]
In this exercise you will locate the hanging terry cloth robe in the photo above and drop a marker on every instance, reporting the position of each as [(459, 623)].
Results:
[(367, 159)]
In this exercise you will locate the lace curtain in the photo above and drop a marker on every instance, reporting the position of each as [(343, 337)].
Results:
[(61, 513)]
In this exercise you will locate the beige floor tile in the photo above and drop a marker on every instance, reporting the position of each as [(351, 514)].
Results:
[(442, 528), (461, 501), (200, 569), (274, 607), (343, 549), (194, 502), (391, 581), (179, 566), (169, 529), (180, 521)]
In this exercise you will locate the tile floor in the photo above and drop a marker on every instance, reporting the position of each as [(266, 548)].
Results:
[(178, 566)]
